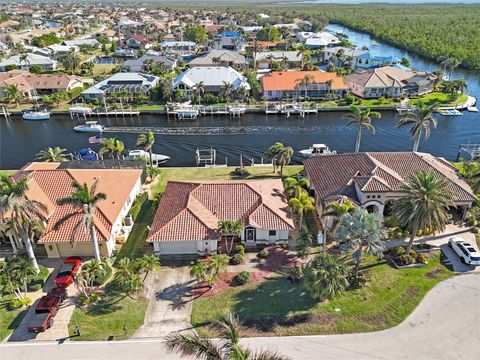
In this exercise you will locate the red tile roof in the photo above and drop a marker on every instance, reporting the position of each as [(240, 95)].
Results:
[(190, 211), (288, 80), (47, 185), (334, 175)]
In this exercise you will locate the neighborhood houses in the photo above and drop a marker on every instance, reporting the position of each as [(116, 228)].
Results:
[(198, 174)]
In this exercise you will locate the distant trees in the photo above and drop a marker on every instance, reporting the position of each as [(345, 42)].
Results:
[(268, 33), (196, 34)]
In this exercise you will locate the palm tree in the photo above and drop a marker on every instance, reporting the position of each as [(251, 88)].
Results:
[(293, 186), (91, 271), (363, 119), (227, 91), (85, 200), (12, 94), (113, 147), (148, 263), (336, 210), (304, 243), (302, 203), (25, 214), (127, 278), (424, 205), (146, 142), (199, 271), (227, 348), (304, 52), (420, 119), (326, 276), (361, 232), (448, 63), (229, 229), (50, 154), (218, 263), (199, 90), (281, 155), (23, 59)]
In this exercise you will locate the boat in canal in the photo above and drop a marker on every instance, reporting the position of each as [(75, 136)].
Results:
[(84, 154), (157, 159), (317, 150), (89, 127), (36, 115)]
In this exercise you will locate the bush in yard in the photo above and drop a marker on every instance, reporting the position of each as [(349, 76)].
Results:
[(239, 249), (243, 278), (241, 171), (399, 234), (236, 259), (263, 254), (391, 222), (40, 279), (476, 230), (419, 232), (326, 276), (396, 251), (19, 303), (295, 273)]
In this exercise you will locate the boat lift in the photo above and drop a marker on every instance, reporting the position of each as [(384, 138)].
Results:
[(472, 149)]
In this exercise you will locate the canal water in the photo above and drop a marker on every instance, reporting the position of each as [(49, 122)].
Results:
[(251, 134)]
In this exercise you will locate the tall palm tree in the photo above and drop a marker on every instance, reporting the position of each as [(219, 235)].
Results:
[(302, 203), (280, 154), (146, 141), (362, 119), (448, 63), (25, 214), (227, 348), (23, 59), (85, 200), (336, 210), (304, 52), (12, 94), (113, 147), (293, 186), (420, 119), (229, 229), (424, 205), (55, 154), (227, 91), (199, 90), (148, 263), (361, 232)]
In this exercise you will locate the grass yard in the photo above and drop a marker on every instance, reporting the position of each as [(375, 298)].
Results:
[(278, 307), (9, 319), (107, 319), (439, 99), (135, 245), (220, 173), (7, 172), (103, 69)]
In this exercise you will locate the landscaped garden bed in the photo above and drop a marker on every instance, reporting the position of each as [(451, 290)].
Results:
[(400, 259)]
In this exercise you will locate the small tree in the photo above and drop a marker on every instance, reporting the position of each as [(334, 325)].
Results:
[(304, 244), (302, 203), (148, 263), (126, 277), (218, 263)]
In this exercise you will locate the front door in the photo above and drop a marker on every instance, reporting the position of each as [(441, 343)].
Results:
[(250, 235)]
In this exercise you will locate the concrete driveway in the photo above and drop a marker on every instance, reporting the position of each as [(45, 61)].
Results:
[(59, 330), (170, 304), (441, 240)]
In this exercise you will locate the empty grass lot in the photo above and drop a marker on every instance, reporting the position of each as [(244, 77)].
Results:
[(278, 307)]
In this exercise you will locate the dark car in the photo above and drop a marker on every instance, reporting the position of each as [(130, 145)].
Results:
[(45, 311), (67, 271)]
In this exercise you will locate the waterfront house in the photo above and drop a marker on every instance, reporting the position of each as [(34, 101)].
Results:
[(319, 40), (82, 43), (187, 217), (49, 182), (390, 81), (289, 59), (369, 61), (220, 58), (229, 40), (142, 64), (134, 83), (213, 78), (293, 84), (334, 54), (373, 180), (31, 59)]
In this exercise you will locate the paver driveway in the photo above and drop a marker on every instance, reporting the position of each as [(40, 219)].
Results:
[(170, 304)]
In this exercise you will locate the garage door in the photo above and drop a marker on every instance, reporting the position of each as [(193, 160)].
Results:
[(177, 248)]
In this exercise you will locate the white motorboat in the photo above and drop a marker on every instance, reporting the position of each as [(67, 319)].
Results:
[(89, 127), (317, 150), (36, 115), (157, 159)]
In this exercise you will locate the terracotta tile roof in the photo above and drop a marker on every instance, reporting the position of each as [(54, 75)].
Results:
[(190, 211), (287, 80), (48, 184), (26, 81), (333, 175)]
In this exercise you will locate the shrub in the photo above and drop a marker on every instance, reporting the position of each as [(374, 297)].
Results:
[(239, 249), (476, 230), (295, 273), (241, 171), (39, 280), (19, 303), (399, 234), (406, 233), (236, 259), (419, 232), (243, 278), (405, 259), (263, 254), (391, 222), (102, 279), (396, 251), (390, 233)]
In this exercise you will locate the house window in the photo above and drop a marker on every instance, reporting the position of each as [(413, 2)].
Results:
[(272, 232)]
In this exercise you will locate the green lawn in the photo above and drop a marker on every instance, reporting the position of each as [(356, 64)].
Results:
[(103, 69), (135, 245), (9, 319), (439, 99), (219, 173), (278, 307), (107, 319), (7, 172), (150, 107)]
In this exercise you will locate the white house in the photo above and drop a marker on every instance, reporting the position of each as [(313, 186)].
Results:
[(213, 78), (44, 62), (189, 213)]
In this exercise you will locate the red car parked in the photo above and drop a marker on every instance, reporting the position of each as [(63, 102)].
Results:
[(67, 271), (45, 311)]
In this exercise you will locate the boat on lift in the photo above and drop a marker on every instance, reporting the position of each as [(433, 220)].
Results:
[(317, 150), (36, 115), (157, 159), (89, 127), (84, 154)]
